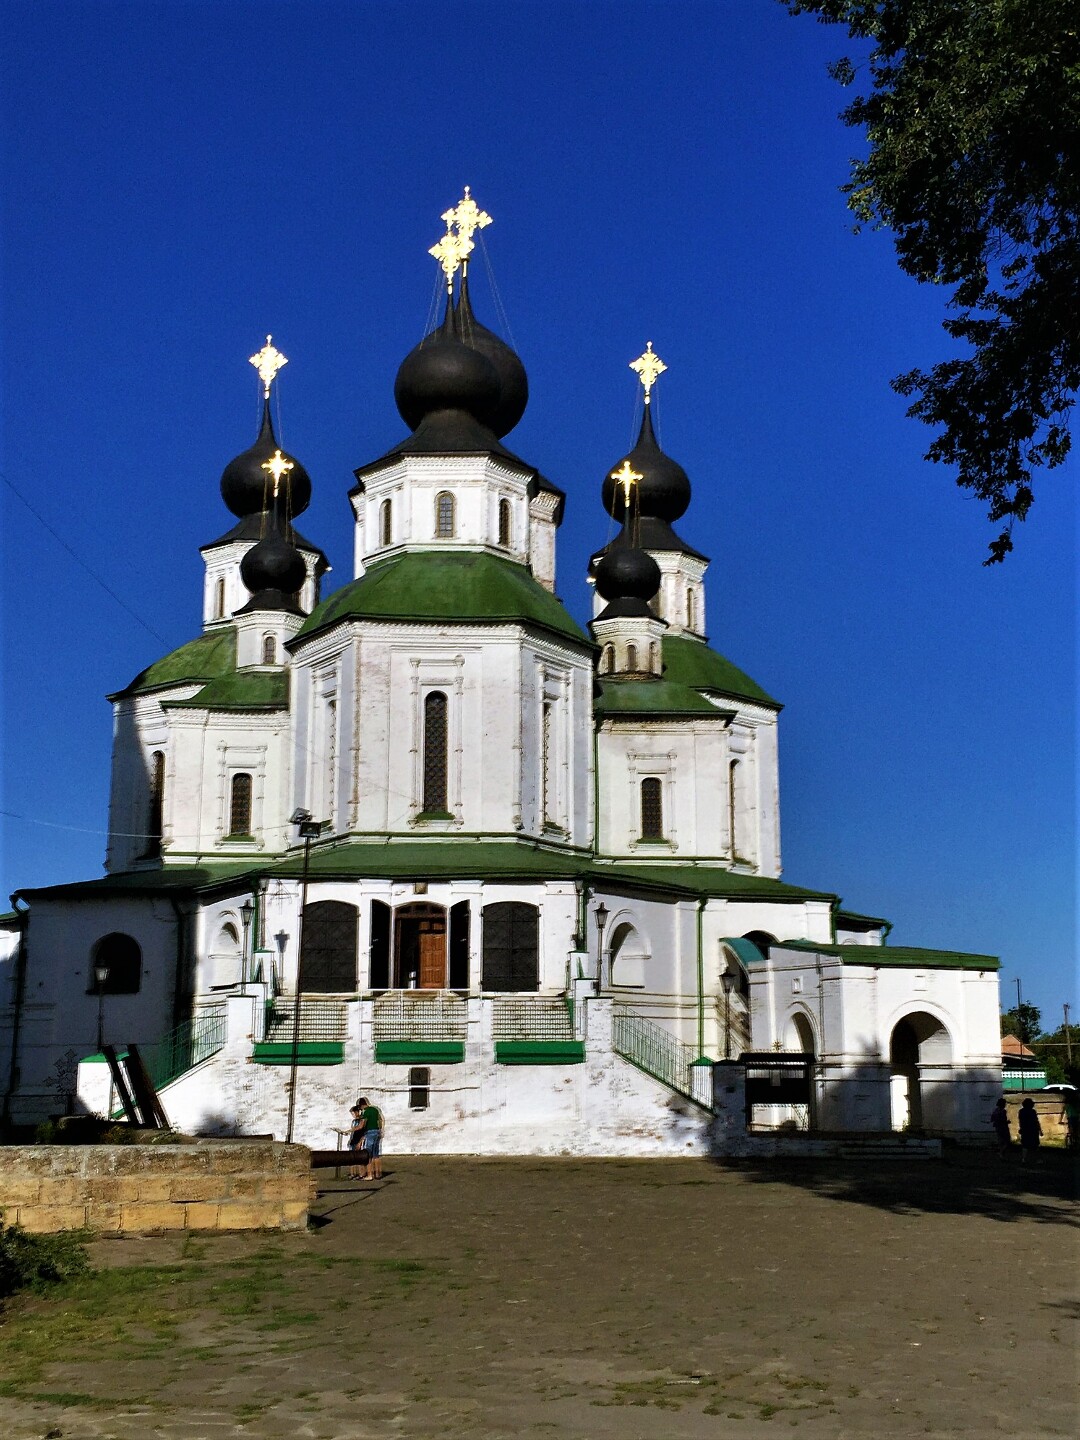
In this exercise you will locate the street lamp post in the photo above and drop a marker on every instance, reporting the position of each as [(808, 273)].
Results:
[(308, 830), (601, 913), (281, 939), (247, 910), (101, 979), (727, 980)]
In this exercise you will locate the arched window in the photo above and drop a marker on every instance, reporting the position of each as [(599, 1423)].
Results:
[(219, 600), (654, 658), (607, 659), (386, 523), (547, 780), (631, 657), (652, 809), (444, 515), (240, 805), (328, 947), (121, 955), (691, 609), (435, 753), (156, 809), (269, 650), (732, 801), (511, 948), (505, 524)]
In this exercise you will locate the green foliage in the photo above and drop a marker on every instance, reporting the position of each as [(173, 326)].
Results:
[(972, 119), (1023, 1021), (34, 1262)]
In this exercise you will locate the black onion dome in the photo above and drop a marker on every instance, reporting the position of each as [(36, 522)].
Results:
[(244, 482), (443, 374), (664, 487), (273, 564), (627, 573), (513, 382)]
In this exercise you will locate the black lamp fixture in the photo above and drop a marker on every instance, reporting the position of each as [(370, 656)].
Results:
[(308, 830), (247, 910), (281, 939), (601, 913), (101, 979), (727, 980)]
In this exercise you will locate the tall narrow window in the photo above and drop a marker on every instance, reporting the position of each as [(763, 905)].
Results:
[(330, 775), (652, 809), (511, 947), (654, 658), (156, 810), (419, 1087), (269, 650), (607, 660), (505, 524), (732, 801), (435, 757), (329, 946), (386, 523), (444, 515), (219, 600), (548, 758), (691, 610), (631, 657), (240, 805)]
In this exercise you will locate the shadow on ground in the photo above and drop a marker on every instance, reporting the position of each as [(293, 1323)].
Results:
[(963, 1182)]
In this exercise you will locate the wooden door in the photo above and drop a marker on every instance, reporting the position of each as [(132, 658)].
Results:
[(432, 946)]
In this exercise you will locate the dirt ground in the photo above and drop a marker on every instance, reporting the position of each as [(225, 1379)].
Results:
[(581, 1300)]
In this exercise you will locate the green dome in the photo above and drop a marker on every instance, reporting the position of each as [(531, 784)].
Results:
[(447, 587)]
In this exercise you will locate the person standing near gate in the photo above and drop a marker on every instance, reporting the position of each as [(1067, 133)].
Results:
[(1030, 1131), (371, 1125)]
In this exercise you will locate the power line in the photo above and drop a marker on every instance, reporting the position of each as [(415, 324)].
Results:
[(80, 561)]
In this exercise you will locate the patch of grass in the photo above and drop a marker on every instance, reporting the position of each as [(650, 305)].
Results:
[(36, 1262)]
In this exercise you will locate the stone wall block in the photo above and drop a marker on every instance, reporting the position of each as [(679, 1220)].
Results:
[(42, 1219), (294, 1214), (196, 1188), (252, 1215), (104, 1217), (136, 1217), (249, 1187), (202, 1216), (16, 1190)]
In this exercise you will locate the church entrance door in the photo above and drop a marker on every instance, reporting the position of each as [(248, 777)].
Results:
[(420, 947)]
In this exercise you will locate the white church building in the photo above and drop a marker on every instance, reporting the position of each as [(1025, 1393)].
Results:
[(429, 840)]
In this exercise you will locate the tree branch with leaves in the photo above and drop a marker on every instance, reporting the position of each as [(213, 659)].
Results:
[(972, 120)]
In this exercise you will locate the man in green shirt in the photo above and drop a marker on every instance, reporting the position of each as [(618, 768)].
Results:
[(371, 1128)]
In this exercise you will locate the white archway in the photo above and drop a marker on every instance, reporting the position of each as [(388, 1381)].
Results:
[(629, 955), (920, 1061)]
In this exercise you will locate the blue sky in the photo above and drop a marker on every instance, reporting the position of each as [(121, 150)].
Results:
[(181, 177)]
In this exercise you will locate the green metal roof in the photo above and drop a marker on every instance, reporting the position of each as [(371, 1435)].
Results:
[(206, 658), (692, 663), (242, 690), (854, 918), (164, 880), (652, 697), (450, 587), (897, 955)]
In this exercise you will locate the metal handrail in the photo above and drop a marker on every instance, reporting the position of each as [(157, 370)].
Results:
[(191, 1043), (531, 1017), (653, 1049)]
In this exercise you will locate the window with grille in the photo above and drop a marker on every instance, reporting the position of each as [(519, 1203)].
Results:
[(435, 753), (511, 947), (505, 524), (328, 947), (269, 650), (121, 955), (386, 523), (652, 809), (548, 778), (419, 1087), (330, 774), (240, 805), (444, 515), (156, 810)]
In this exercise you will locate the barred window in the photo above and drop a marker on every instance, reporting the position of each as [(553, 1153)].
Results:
[(386, 523), (156, 810), (240, 804), (435, 747), (444, 515), (505, 523), (652, 809), (328, 947), (269, 650)]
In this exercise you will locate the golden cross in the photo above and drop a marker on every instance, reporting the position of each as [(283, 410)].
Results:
[(626, 477), (277, 467), (466, 217), (648, 367), (268, 362), (451, 252)]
